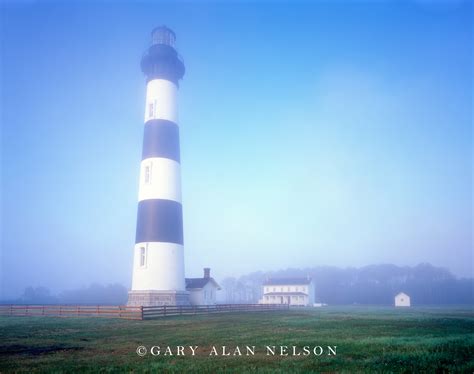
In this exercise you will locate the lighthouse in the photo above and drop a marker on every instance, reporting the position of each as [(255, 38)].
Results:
[(158, 254)]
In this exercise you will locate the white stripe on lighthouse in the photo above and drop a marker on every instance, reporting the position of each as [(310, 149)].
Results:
[(160, 178), (161, 100), (158, 266)]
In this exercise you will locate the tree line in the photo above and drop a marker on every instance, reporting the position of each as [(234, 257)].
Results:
[(373, 284), (94, 294)]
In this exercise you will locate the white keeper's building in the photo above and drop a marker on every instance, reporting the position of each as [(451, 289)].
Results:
[(292, 291)]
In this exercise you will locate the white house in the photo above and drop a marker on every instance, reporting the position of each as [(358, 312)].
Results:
[(292, 291), (202, 291), (402, 299)]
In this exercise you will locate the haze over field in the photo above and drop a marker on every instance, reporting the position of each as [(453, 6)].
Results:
[(369, 285), (312, 133)]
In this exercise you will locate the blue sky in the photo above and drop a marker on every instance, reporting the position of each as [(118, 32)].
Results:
[(312, 133)]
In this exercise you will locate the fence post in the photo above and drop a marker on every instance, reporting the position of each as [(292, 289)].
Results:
[(164, 310), (43, 310), (60, 310), (11, 309), (141, 311), (78, 307)]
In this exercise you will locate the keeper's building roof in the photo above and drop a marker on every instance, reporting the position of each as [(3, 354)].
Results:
[(286, 281)]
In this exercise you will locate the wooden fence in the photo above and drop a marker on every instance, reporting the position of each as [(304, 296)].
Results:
[(131, 312), (150, 312), (109, 311)]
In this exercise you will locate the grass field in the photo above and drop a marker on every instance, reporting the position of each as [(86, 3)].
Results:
[(367, 339)]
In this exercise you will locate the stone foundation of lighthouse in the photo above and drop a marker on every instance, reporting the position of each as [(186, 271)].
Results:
[(158, 254)]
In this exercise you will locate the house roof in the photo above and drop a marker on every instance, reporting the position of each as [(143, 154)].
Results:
[(196, 283), (401, 294), (285, 281), (285, 294)]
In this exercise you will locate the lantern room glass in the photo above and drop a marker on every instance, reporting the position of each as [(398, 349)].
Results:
[(163, 35)]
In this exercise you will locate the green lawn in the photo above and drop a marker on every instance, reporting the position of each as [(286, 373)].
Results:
[(367, 339)]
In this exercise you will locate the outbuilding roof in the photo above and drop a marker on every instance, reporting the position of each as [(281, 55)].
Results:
[(196, 283), (401, 294), (285, 281)]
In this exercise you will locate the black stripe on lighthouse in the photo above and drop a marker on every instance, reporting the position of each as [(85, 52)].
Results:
[(161, 139), (159, 220)]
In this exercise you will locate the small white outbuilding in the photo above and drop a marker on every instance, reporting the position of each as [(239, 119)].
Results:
[(402, 299), (202, 291)]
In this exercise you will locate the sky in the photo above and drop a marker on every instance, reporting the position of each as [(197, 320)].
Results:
[(312, 133)]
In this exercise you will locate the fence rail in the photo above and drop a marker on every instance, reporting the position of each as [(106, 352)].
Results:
[(109, 311), (150, 312), (132, 312)]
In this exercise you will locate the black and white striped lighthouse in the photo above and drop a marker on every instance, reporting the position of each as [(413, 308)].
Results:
[(158, 265)]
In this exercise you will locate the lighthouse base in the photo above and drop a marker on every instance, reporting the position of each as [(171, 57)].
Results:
[(158, 298)]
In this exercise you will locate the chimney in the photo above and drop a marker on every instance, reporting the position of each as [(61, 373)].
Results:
[(207, 273)]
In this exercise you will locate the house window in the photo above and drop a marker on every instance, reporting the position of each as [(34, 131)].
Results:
[(142, 257)]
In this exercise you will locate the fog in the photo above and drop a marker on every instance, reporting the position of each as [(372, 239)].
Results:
[(313, 136), (369, 285)]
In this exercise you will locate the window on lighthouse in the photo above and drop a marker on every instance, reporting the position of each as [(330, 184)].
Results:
[(151, 110), (147, 173), (142, 256)]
